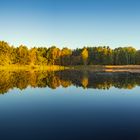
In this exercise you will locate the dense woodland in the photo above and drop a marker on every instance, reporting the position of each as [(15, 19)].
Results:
[(103, 55)]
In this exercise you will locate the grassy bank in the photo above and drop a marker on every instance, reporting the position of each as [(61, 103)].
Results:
[(35, 67)]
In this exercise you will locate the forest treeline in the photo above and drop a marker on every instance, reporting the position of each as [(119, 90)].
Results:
[(103, 55)]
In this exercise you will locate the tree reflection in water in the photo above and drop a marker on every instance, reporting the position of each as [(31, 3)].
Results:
[(85, 79)]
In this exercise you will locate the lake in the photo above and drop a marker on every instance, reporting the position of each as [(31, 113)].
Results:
[(69, 105)]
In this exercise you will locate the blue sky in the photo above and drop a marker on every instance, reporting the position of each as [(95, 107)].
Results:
[(70, 23)]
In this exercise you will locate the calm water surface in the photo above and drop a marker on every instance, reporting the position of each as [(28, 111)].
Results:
[(69, 105)]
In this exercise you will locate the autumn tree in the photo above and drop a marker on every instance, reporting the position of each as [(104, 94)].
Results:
[(66, 56), (53, 54), (22, 55), (5, 53), (84, 56), (42, 56), (32, 56)]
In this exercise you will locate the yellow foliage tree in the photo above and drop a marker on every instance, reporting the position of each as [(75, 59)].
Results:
[(84, 55)]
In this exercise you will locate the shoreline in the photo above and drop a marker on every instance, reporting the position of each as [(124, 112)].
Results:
[(109, 68), (94, 68)]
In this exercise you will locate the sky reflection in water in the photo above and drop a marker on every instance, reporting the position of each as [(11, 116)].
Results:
[(103, 108)]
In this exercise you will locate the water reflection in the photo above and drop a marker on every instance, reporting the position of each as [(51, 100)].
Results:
[(85, 79)]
